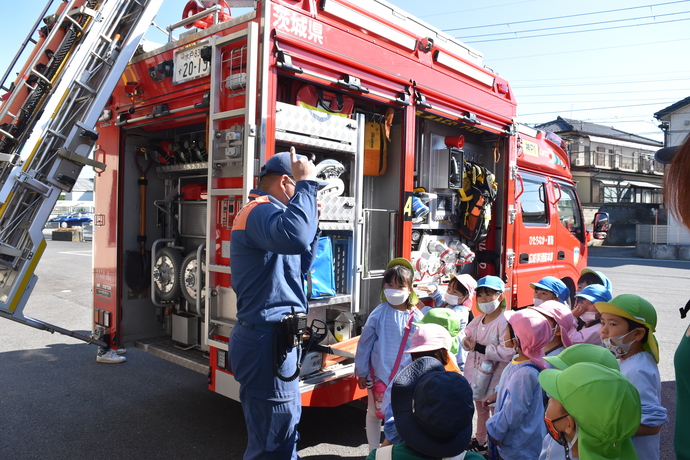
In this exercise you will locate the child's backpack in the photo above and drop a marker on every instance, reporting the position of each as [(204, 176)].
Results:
[(479, 190)]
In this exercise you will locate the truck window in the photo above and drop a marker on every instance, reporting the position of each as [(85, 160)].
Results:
[(532, 203), (569, 211)]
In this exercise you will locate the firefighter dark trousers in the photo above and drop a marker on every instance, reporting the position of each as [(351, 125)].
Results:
[(272, 407)]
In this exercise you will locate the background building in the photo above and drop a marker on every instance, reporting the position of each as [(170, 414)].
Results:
[(615, 172)]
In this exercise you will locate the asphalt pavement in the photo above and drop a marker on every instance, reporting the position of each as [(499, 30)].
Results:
[(56, 402)]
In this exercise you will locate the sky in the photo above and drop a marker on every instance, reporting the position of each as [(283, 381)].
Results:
[(613, 62)]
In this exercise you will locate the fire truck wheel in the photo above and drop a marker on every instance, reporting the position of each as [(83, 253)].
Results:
[(189, 276), (167, 273)]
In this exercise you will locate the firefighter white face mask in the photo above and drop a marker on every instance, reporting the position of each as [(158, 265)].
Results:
[(488, 307), (293, 185), (396, 296)]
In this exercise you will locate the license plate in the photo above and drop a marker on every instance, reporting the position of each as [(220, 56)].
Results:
[(189, 65)]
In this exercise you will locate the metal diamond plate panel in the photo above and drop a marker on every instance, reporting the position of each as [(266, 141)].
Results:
[(338, 208), (298, 125)]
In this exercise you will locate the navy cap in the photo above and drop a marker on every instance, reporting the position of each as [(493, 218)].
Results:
[(666, 154), (279, 164)]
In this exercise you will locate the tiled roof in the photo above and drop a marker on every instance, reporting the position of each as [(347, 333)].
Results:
[(566, 125), (672, 108)]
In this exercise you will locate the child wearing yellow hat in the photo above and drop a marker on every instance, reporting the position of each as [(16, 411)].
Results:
[(628, 323)]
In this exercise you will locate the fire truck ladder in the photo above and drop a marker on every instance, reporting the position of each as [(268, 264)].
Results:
[(36, 83), (61, 147), (233, 153)]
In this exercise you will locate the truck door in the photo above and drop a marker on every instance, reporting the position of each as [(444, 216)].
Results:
[(536, 243), (569, 233)]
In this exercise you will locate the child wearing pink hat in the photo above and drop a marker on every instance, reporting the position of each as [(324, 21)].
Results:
[(563, 326), (517, 426)]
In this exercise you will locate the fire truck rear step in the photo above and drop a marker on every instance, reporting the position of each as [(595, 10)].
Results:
[(164, 347)]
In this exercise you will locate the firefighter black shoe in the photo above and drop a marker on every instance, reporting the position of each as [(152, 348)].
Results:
[(109, 357)]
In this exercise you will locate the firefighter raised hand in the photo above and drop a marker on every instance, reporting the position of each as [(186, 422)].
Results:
[(302, 168)]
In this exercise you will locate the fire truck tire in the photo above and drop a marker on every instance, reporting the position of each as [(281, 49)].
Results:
[(188, 278), (167, 273)]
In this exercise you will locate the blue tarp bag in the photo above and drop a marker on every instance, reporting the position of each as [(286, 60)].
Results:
[(320, 281)]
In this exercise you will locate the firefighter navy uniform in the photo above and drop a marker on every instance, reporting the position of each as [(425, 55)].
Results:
[(272, 246)]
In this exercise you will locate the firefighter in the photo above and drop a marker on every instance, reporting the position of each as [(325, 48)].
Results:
[(274, 241)]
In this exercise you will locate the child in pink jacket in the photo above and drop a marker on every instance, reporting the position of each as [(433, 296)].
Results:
[(484, 338)]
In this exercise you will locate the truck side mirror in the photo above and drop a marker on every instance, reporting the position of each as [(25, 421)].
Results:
[(601, 225), (456, 167)]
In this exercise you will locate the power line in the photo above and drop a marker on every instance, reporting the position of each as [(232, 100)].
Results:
[(612, 76), (561, 53), (555, 17), (631, 82), (660, 101), (612, 21), (578, 31), (595, 108), (606, 92), (475, 9)]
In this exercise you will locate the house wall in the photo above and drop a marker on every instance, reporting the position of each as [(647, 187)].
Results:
[(679, 125)]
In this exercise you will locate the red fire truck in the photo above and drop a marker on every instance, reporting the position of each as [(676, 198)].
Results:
[(416, 138)]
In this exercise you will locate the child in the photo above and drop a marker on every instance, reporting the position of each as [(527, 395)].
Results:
[(563, 326), (551, 449), (433, 340), (484, 336), (517, 426), (588, 318), (429, 339), (384, 337), (459, 297), (627, 329), (433, 414), (452, 322), (602, 433), (589, 277), (550, 288)]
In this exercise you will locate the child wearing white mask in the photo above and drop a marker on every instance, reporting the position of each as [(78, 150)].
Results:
[(627, 329), (484, 336), (458, 297), (589, 319), (385, 336), (550, 288)]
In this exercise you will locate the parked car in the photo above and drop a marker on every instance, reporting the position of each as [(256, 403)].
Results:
[(72, 219)]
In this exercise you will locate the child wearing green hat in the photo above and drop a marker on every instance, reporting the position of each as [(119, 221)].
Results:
[(579, 353), (627, 329), (452, 322), (587, 434)]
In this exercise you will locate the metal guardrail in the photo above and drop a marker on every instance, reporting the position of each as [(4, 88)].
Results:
[(662, 234), (87, 231), (654, 234)]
